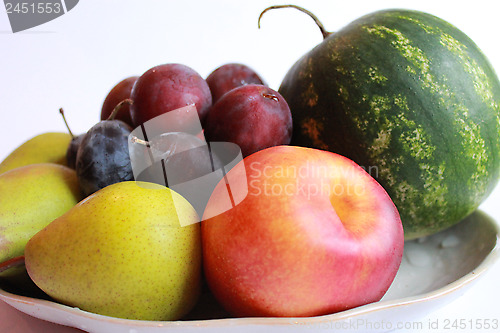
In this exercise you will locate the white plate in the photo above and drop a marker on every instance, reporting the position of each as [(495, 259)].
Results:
[(434, 271)]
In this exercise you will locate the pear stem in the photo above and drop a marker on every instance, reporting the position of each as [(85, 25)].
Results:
[(61, 111), (320, 25), (118, 107), (11, 263)]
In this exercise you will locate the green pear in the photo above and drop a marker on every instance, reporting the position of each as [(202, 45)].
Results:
[(44, 148), (31, 197), (130, 250)]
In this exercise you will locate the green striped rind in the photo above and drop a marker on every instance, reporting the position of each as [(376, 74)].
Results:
[(413, 100)]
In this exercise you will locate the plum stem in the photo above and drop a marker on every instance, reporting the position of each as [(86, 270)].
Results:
[(320, 25), (140, 141), (11, 263), (118, 107), (61, 111)]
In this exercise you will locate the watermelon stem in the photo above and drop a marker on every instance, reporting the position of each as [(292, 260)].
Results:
[(324, 32)]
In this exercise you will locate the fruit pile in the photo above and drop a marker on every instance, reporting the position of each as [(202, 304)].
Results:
[(298, 227), (251, 115), (127, 225)]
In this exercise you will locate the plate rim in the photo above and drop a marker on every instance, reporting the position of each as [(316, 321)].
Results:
[(464, 281)]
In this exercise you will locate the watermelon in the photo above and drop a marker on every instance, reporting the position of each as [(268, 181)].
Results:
[(414, 101)]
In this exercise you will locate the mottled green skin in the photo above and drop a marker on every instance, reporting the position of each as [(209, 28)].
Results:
[(413, 100)]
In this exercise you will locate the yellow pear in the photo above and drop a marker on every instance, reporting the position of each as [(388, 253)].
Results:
[(122, 252), (44, 148), (31, 197)]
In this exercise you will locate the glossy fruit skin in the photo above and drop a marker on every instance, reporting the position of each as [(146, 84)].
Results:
[(412, 96), (44, 148), (73, 150), (168, 87), (120, 92), (183, 157), (126, 242), (252, 116), (31, 197), (315, 235), (230, 76), (103, 156)]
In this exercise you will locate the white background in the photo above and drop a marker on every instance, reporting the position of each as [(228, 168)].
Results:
[(73, 62)]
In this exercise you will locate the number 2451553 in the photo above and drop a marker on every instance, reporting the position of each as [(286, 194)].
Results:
[(32, 8), (471, 324)]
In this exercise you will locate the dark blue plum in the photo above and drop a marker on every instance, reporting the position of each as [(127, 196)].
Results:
[(103, 156)]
